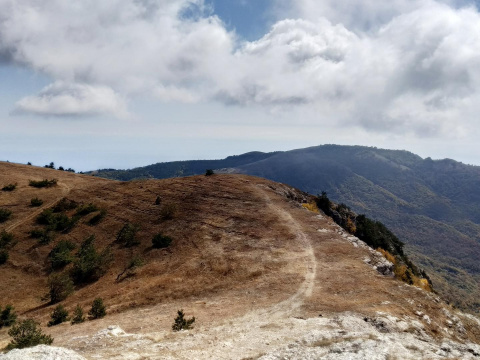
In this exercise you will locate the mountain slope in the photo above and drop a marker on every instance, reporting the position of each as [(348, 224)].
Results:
[(252, 265), (430, 205)]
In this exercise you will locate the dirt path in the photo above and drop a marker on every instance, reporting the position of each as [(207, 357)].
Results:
[(65, 190)]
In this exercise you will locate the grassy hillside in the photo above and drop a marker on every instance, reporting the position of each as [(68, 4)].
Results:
[(431, 205)]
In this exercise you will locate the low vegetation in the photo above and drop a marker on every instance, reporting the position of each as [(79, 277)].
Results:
[(377, 236), (5, 215), (44, 236), (27, 333), (60, 287), (6, 240), (43, 183), (168, 211), (98, 309), (127, 235), (58, 316), (78, 316), (56, 221), (9, 187), (4, 256), (131, 269), (90, 265), (209, 172), (86, 209), (8, 317), (97, 218), (36, 202), (160, 241), (61, 255), (181, 323)]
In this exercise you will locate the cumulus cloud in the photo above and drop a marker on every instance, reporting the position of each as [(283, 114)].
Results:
[(63, 99), (399, 66)]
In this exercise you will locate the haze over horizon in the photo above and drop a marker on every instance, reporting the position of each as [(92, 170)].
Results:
[(122, 84)]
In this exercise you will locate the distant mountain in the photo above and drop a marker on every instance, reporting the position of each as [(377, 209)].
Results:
[(431, 205)]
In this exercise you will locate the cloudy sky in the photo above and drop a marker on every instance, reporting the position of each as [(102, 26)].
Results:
[(122, 83)]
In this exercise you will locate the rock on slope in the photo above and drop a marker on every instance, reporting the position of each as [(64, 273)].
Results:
[(263, 276)]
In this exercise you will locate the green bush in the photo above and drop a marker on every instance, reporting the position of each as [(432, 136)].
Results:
[(86, 209), (64, 205), (43, 183), (98, 309), (36, 202), (56, 221), (58, 316), (180, 323), (3, 256), (6, 239), (97, 217), (160, 241), (61, 255), (7, 316), (209, 172), (5, 214), (44, 236), (78, 316), (126, 235), (27, 333), (9, 187), (89, 265), (60, 287)]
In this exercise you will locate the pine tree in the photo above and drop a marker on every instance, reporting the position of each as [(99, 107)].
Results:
[(181, 323)]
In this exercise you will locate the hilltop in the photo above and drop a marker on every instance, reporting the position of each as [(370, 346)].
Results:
[(262, 274), (431, 205)]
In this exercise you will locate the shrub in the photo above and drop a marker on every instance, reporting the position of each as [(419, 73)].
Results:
[(98, 309), (26, 334), (78, 316), (58, 316), (180, 323), (36, 202), (7, 316), (60, 287), (64, 205), (61, 254), (209, 172), (9, 187), (168, 211), (89, 265), (158, 200), (61, 168), (43, 183), (160, 241), (56, 221), (6, 239), (126, 235), (97, 218), (3, 256), (44, 236), (86, 209), (5, 214)]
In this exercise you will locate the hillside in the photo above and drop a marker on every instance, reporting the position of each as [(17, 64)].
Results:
[(431, 205), (263, 276)]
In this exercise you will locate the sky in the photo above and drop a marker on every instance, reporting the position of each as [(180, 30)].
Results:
[(124, 83)]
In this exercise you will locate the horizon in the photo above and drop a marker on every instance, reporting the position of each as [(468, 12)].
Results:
[(123, 84)]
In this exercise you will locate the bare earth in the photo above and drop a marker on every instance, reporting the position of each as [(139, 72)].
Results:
[(263, 276)]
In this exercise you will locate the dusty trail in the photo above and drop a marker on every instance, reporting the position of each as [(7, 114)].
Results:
[(65, 190), (237, 338)]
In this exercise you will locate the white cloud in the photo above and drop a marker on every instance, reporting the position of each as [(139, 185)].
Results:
[(407, 66), (62, 99)]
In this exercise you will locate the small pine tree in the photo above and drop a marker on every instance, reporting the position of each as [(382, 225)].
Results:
[(26, 334), (58, 316), (98, 309), (7, 316), (35, 202), (181, 323), (209, 172), (77, 317), (158, 201), (160, 241), (3, 256), (60, 287)]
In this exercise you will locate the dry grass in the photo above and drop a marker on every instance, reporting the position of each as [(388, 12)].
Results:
[(234, 250)]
